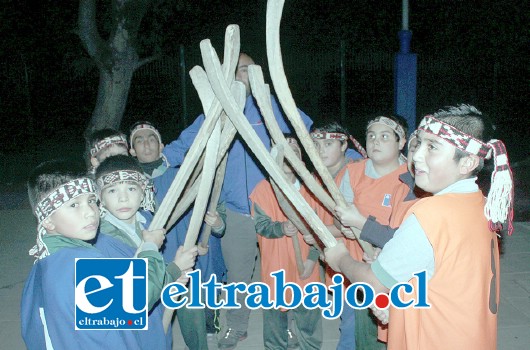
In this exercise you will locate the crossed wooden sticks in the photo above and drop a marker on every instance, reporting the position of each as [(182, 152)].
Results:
[(216, 96), (223, 100)]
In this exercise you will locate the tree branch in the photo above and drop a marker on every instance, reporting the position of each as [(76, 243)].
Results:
[(147, 60), (88, 32)]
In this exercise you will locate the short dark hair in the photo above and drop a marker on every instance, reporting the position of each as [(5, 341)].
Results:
[(116, 163), (332, 127), (50, 175), (467, 119)]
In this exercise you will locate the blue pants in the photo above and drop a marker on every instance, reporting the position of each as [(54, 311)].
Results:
[(347, 329)]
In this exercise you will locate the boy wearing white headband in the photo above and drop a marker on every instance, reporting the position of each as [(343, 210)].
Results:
[(371, 230), (121, 183), (372, 185), (146, 145), (450, 235), (331, 143), (64, 201)]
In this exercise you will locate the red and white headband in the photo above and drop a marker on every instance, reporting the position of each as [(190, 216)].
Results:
[(143, 127), (108, 141), (391, 124), (53, 201), (120, 176), (499, 204), (322, 135)]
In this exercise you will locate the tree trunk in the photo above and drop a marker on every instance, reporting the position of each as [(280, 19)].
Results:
[(116, 58), (113, 90)]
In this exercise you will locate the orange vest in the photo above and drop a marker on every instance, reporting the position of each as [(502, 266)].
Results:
[(464, 290), (378, 198), (278, 253), (373, 196)]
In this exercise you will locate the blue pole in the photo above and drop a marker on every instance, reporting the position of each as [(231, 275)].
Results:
[(405, 72)]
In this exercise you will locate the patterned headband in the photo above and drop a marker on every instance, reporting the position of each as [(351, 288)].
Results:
[(106, 142), (142, 127), (499, 204), (455, 137), (121, 176), (391, 124), (53, 201), (321, 135)]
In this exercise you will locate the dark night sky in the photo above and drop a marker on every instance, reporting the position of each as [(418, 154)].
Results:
[(39, 39)]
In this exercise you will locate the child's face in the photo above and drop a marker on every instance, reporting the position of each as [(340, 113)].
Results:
[(287, 169), (77, 218), (123, 200), (112, 150), (434, 166), (331, 152), (145, 146), (382, 144)]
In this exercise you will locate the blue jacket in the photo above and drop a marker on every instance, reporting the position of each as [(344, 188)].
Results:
[(242, 172), (212, 262), (50, 289), (113, 247)]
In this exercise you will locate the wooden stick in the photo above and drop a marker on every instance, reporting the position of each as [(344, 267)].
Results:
[(202, 85), (208, 174), (213, 69), (288, 208), (277, 152), (239, 93), (261, 92), (163, 212), (186, 168), (231, 57), (274, 55)]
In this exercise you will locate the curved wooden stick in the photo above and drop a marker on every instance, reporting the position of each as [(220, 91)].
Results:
[(202, 85), (213, 69), (261, 92), (239, 93), (167, 205), (208, 174), (277, 152), (274, 56), (231, 57)]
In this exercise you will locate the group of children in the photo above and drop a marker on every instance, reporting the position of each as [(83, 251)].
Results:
[(449, 232)]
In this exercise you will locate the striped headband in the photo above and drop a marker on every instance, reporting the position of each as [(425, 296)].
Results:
[(121, 176), (53, 201), (108, 141), (142, 127), (499, 203), (455, 137), (321, 135), (391, 124)]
